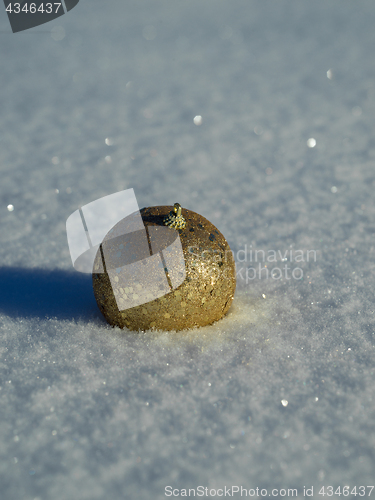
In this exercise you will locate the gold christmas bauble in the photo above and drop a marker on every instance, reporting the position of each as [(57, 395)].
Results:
[(174, 271)]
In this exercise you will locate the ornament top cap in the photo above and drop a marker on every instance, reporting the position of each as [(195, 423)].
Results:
[(175, 218), (177, 209)]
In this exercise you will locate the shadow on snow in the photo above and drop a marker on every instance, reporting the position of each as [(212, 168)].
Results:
[(42, 293)]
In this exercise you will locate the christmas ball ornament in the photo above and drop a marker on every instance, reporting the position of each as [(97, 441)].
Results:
[(175, 272)]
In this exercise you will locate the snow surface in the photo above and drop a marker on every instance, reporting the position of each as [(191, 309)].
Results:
[(279, 394)]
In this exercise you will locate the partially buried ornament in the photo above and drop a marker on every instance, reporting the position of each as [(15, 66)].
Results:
[(174, 273)]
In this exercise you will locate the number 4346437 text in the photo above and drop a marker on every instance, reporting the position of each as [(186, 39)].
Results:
[(32, 8)]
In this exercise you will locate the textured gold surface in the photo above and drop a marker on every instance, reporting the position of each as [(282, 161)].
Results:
[(205, 294)]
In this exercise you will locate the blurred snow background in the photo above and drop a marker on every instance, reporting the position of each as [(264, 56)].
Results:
[(104, 99)]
